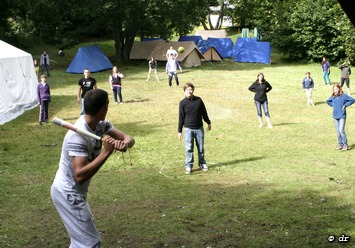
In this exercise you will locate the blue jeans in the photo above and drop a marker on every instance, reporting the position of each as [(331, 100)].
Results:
[(117, 91), (45, 66), (171, 75), (326, 77), (265, 107), (340, 127), (196, 135)]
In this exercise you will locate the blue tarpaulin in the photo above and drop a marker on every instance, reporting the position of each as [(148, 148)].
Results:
[(224, 46), (252, 51)]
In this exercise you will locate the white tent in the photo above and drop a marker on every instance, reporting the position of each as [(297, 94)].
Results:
[(18, 82)]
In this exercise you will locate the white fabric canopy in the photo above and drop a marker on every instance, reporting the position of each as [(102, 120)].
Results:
[(18, 82)]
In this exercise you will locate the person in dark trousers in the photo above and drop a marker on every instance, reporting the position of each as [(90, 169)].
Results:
[(260, 87), (115, 80), (81, 159), (192, 111), (85, 84), (345, 74), (43, 98), (171, 68), (45, 62)]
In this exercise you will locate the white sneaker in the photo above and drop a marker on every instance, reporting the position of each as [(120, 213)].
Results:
[(188, 170), (203, 167), (269, 125), (260, 125)]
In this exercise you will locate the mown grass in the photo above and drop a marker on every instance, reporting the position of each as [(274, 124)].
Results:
[(280, 187)]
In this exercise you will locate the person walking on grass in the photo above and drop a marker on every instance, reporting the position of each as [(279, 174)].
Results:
[(345, 75), (260, 87), (192, 111), (115, 80), (81, 159), (43, 98), (326, 71), (86, 84), (340, 101), (308, 86)]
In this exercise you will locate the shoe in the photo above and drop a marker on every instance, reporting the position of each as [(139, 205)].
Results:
[(269, 125), (260, 125), (339, 148), (345, 148), (203, 167), (121, 102), (40, 123), (116, 102), (188, 170)]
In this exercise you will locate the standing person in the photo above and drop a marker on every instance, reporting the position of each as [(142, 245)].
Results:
[(43, 98), (81, 158), (260, 87), (153, 66), (191, 112), (45, 62), (171, 51), (116, 84), (36, 65), (85, 84), (340, 101), (326, 71), (171, 68), (308, 86), (345, 74)]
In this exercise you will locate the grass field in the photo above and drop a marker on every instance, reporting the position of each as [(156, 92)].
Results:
[(280, 187)]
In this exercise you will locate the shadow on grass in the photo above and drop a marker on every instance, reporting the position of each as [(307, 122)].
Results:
[(137, 100), (235, 162)]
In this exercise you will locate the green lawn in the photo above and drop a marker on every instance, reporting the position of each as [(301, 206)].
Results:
[(280, 187)]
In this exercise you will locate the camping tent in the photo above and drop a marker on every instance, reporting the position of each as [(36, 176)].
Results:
[(208, 50), (221, 33), (251, 50), (194, 38), (224, 46), (142, 49), (189, 58), (89, 57), (18, 82)]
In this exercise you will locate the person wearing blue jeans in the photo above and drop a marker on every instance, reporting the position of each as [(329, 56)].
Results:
[(171, 68), (260, 87), (192, 113), (340, 101), (326, 71)]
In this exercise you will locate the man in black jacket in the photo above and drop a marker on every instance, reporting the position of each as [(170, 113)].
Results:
[(191, 112)]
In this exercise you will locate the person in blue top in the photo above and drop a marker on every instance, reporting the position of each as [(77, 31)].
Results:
[(340, 101), (326, 71), (308, 86)]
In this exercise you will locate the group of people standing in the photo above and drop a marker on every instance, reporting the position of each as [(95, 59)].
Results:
[(82, 157)]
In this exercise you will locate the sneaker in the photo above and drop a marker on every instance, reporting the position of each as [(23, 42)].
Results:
[(203, 167), (345, 148), (269, 125), (260, 125), (188, 170), (339, 148)]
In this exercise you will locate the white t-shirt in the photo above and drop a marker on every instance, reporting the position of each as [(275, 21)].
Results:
[(75, 144)]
